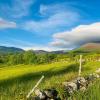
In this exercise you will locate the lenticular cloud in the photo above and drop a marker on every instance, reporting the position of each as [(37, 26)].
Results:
[(77, 36)]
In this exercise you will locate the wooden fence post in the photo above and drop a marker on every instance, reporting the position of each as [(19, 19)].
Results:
[(35, 86), (80, 67)]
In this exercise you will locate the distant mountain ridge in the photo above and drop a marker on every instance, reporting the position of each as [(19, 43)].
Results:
[(39, 51), (5, 50), (52, 52), (89, 47)]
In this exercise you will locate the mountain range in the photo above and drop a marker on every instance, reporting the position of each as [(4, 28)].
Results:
[(5, 50), (89, 47)]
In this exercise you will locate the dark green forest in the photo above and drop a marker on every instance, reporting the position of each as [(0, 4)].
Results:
[(27, 57)]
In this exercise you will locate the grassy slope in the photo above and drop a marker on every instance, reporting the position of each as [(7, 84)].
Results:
[(16, 81), (10, 72), (92, 93), (21, 78)]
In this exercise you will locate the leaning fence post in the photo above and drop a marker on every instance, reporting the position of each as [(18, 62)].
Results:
[(80, 67), (35, 87)]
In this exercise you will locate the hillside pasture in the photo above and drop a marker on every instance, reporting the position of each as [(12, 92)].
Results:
[(16, 81)]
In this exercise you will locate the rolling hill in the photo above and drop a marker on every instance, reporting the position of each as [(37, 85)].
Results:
[(5, 50), (86, 48), (89, 47)]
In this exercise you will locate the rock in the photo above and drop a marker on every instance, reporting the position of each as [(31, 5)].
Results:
[(98, 70), (82, 88), (37, 92), (51, 93), (91, 77), (81, 83), (47, 94), (81, 79), (71, 84), (96, 75), (70, 87), (77, 84), (40, 94)]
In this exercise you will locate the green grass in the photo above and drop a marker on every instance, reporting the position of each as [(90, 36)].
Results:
[(11, 72), (16, 81), (90, 67), (21, 78), (92, 93)]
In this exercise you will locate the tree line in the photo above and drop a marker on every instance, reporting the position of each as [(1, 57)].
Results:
[(30, 57), (27, 57)]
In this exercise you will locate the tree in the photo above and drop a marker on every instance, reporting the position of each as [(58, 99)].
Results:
[(16, 59), (49, 57), (30, 57)]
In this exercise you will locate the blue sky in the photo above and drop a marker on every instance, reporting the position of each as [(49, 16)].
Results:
[(49, 24)]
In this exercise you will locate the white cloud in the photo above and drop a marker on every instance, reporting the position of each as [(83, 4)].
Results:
[(46, 10), (17, 9), (53, 19), (57, 20), (7, 24), (77, 36)]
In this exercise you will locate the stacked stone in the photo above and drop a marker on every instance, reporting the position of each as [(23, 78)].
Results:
[(46, 94), (69, 87), (90, 79), (80, 83)]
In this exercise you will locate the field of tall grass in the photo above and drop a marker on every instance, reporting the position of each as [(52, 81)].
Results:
[(16, 81), (92, 93)]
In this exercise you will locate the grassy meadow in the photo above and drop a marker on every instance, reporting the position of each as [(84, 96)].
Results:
[(17, 80), (92, 93)]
